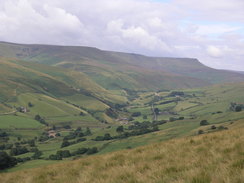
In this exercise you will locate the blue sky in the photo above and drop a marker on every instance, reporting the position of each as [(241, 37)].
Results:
[(212, 31)]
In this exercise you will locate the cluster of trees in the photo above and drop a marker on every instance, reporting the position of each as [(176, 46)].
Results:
[(66, 153), (218, 112), (176, 93), (168, 101), (213, 127), (78, 133), (37, 155), (3, 133), (236, 107), (111, 113), (30, 142), (171, 119), (18, 150), (133, 130), (6, 146), (60, 155), (6, 161), (66, 143), (136, 114), (204, 122), (145, 124), (44, 137), (40, 119), (106, 136), (4, 136)]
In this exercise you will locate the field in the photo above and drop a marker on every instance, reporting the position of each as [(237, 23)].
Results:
[(213, 157), (13, 122)]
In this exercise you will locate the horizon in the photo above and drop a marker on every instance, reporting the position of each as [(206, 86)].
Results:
[(207, 31)]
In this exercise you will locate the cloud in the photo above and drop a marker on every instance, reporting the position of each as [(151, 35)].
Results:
[(212, 31), (21, 22), (213, 51)]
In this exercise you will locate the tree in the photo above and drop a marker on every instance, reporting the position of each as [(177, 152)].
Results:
[(67, 126), (82, 113), (82, 150), (65, 143), (78, 129), (156, 110), (30, 104), (37, 154), (37, 117), (200, 132), (32, 143), (155, 128), (171, 119), (55, 157), (88, 131), (238, 108), (92, 150), (120, 129), (64, 154), (136, 114), (107, 136), (204, 122), (3, 133), (18, 150), (6, 161), (111, 113)]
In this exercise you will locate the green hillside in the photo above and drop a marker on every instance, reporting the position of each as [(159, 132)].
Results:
[(57, 94), (113, 70)]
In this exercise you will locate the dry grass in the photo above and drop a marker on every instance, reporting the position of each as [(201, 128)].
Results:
[(217, 158)]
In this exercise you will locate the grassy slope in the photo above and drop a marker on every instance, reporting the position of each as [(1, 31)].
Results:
[(44, 86), (13, 122), (114, 70), (215, 157)]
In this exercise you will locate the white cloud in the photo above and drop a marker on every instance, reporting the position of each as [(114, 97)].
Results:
[(206, 30), (213, 51), (21, 22), (216, 29)]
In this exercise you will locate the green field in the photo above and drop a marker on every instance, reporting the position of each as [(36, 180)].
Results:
[(13, 122)]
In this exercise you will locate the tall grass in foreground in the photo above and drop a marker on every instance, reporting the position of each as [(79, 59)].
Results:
[(217, 157)]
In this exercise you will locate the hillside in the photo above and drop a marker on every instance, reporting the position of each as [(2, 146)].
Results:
[(113, 70), (215, 157), (64, 103), (52, 92)]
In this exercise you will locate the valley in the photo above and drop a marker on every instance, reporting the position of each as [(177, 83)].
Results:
[(59, 104)]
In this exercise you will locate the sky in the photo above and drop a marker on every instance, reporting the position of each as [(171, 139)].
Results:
[(210, 30)]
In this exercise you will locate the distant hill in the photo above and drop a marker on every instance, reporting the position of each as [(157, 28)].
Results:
[(115, 70)]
